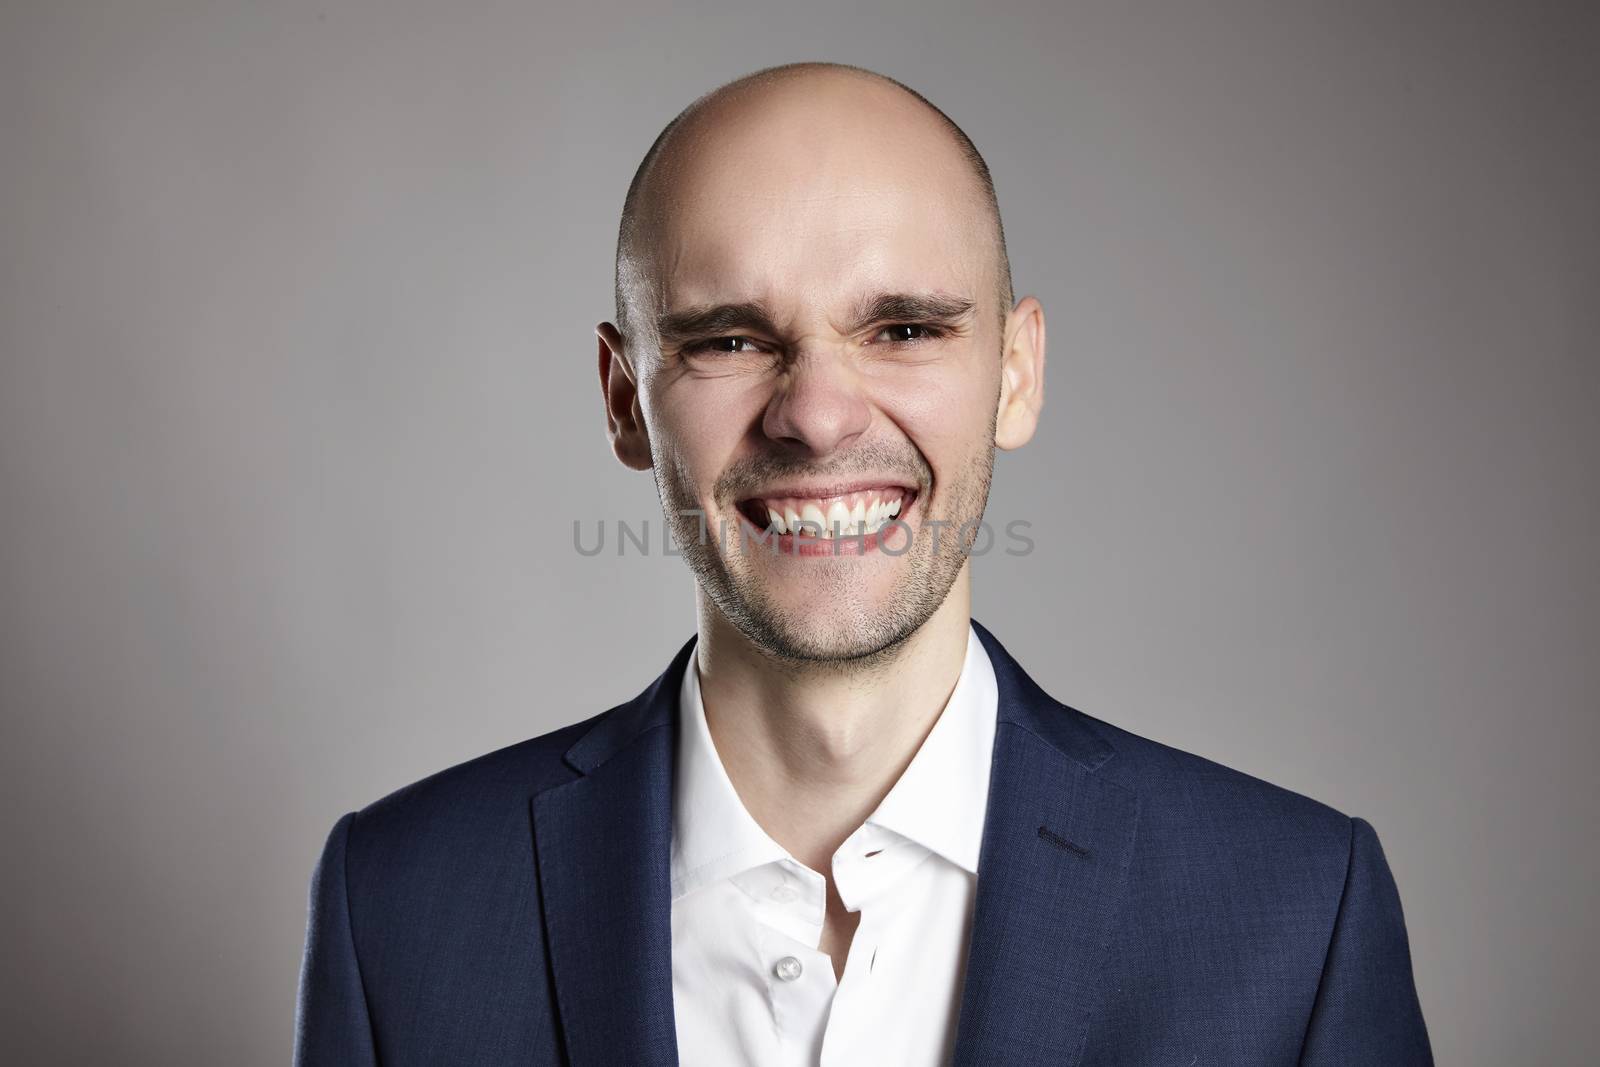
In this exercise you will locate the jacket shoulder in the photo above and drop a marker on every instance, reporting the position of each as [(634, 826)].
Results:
[(478, 810), (439, 878), (1219, 807), (1195, 800), (1219, 849), (467, 807)]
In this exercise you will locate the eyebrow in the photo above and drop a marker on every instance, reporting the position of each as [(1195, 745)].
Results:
[(710, 320)]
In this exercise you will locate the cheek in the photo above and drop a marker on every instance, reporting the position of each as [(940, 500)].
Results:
[(945, 411), (699, 425)]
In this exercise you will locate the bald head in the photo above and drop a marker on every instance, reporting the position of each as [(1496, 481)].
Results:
[(825, 130)]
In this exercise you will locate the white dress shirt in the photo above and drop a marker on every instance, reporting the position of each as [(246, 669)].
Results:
[(749, 984)]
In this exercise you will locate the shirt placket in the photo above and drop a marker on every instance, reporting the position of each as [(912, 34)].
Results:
[(867, 868), (788, 900)]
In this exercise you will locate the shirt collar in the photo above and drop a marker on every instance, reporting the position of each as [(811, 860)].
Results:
[(713, 834), (939, 801), (941, 798)]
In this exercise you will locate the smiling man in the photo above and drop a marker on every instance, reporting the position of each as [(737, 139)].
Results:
[(843, 826)]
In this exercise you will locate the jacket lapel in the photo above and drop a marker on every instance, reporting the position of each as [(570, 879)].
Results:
[(602, 842), (1057, 842)]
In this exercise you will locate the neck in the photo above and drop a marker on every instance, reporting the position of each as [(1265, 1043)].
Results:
[(812, 749)]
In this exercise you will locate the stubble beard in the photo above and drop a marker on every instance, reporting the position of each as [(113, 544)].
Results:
[(847, 632)]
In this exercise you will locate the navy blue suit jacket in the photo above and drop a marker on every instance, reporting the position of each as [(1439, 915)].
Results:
[(1135, 905)]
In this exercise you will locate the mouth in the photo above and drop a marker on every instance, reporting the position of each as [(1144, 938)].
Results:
[(831, 519)]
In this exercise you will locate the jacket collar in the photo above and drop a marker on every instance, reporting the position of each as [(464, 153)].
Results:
[(601, 843), (1052, 870), (1057, 844)]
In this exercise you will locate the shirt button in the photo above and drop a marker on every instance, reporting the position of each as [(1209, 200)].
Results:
[(784, 893), (787, 969)]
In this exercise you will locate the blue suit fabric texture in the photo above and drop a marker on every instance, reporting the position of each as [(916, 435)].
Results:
[(1136, 905)]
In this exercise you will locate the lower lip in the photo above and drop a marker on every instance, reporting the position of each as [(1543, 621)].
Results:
[(845, 545)]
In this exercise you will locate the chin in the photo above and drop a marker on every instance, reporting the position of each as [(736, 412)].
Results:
[(840, 636), (846, 641)]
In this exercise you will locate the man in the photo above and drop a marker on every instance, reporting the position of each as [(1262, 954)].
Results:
[(843, 826)]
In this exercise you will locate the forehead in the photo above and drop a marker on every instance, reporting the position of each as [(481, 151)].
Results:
[(809, 200)]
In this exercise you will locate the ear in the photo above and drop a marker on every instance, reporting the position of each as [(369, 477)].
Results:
[(1021, 375), (619, 388)]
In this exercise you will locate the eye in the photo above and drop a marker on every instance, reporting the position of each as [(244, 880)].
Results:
[(725, 346), (911, 332)]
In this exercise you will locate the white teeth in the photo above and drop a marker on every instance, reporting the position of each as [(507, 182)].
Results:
[(838, 518)]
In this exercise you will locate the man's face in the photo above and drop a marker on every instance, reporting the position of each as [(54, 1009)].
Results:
[(829, 351)]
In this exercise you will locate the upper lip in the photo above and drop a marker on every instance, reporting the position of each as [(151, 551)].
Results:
[(822, 492)]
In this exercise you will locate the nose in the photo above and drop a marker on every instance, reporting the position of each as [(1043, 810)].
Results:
[(817, 407)]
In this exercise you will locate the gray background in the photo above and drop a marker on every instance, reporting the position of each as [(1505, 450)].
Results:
[(298, 406)]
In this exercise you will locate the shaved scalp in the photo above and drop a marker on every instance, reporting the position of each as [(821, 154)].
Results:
[(632, 256)]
